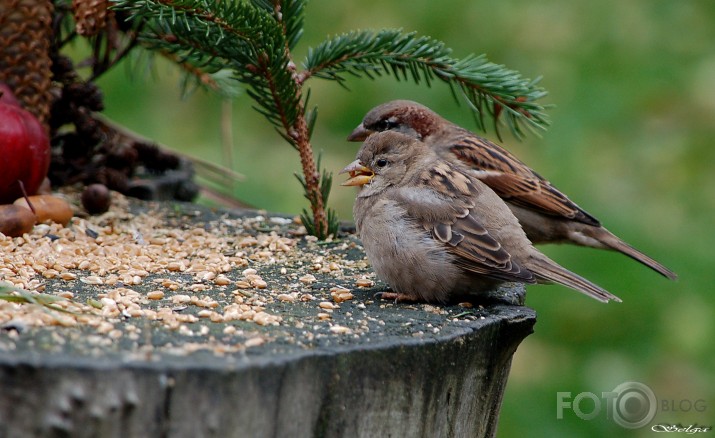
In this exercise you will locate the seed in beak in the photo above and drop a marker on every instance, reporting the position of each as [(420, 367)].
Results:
[(359, 174)]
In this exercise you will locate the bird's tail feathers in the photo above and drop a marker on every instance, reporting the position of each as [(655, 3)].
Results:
[(611, 241), (547, 270)]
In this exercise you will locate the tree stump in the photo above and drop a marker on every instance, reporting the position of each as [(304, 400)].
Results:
[(286, 339)]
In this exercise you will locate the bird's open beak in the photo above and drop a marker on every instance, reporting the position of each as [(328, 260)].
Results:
[(360, 133), (359, 174)]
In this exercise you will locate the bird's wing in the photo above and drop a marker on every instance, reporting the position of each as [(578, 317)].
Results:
[(441, 205), (478, 251), (513, 180)]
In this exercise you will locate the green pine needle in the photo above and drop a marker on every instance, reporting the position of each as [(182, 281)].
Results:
[(289, 13), (488, 88)]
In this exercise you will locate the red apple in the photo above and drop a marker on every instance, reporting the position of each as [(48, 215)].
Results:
[(24, 149)]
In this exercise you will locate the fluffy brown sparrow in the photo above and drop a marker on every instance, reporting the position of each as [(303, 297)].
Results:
[(545, 214), (433, 231)]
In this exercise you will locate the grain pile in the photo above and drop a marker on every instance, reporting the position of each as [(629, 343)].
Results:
[(155, 266), (148, 278)]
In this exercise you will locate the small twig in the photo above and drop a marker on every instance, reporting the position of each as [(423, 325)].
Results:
[(27, 198)]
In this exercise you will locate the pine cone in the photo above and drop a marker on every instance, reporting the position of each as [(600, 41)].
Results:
[(25, 38), (90, 16)]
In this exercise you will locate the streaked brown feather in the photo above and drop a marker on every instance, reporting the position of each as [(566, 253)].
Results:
[(478, 251), (514, 181), (447, 181)]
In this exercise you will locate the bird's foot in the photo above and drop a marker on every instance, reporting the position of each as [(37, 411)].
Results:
[(395, 296)]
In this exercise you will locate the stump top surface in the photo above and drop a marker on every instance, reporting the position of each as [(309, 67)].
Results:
[(235, 289)]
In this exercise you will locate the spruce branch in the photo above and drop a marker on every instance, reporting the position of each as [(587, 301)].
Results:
[(326, 181), (488, 88), (254, 39)]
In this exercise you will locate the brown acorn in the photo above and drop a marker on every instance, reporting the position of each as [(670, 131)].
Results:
[(15, 220), (47, 208), (96, 199)]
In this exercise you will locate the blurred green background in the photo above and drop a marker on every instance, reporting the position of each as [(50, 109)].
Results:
[(633, 84)]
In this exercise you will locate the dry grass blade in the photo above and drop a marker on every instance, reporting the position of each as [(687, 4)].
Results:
[(17, 295)]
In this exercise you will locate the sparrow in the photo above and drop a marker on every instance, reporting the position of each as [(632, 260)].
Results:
[(433, 231), (545, 213)]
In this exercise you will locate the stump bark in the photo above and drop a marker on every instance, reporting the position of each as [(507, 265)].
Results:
[(367, 368), (447, 386)]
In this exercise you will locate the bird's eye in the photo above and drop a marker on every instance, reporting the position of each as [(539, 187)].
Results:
[(386, 125), (381, 162)]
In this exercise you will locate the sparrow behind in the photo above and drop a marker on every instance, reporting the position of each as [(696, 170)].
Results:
[(433, 231), (545, 213)]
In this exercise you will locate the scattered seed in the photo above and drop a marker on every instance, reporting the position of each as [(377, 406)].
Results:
[(92, 279), (68, 276), (307, 279), (340, 294), (338, 329), (254, 342), (286, 297), (50, 273), (205, 313), (222, 280), (104, 327), (364, 282), (175, 266), (180, 299), (206, 276), (155, 295), (260, 284)]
